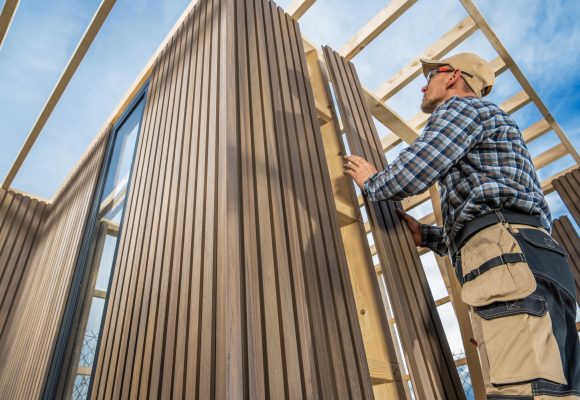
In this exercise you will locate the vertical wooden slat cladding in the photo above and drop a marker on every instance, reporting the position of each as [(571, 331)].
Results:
[(230, 279), (568, 187), (26, 344), (20, 217), (429, 358), (566, 235)]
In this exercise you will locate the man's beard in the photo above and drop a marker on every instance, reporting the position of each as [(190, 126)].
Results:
[(428, 106)]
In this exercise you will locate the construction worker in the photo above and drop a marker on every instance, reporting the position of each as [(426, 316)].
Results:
[(514, 275)]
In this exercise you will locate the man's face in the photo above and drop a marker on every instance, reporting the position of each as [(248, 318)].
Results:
[(434, 91)]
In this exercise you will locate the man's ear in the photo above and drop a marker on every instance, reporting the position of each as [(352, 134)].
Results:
[(454, 77)]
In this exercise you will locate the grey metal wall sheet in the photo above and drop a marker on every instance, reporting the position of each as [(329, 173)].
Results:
[(26, 345), (429, 359), (231, 280)]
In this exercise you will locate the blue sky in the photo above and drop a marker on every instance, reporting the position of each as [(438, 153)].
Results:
[(543, 40)]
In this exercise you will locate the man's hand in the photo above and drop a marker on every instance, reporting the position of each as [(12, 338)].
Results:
[(414, 226), (358, 169)]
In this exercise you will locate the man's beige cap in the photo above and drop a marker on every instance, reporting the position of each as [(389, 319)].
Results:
[(482, 78)]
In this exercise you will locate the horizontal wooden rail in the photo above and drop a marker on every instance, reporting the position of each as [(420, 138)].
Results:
[(375, 26), (441, 47)]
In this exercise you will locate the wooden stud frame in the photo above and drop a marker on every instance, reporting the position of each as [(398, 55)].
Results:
[(430, 362)]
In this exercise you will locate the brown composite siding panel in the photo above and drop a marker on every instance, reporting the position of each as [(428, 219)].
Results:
[(568, 187), (27, 343), (231, 279), (429, 359), (565, 234), (20, 217)]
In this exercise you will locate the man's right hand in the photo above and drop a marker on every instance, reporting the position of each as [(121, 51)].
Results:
[(414, 226)]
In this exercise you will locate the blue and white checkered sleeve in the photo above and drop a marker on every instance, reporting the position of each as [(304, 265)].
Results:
[(433, 237), (450, 133)]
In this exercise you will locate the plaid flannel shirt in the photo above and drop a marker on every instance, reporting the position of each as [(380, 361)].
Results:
[(477, 154)]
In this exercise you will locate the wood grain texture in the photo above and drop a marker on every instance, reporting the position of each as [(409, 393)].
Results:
[(27, 341), (20, 218), (429, 359), (568, 187), (231, 279), (565, 234)]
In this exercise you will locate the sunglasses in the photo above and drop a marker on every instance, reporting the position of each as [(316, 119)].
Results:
[(435, 71)]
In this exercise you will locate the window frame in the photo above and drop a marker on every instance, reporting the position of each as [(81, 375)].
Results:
[(59, 375)]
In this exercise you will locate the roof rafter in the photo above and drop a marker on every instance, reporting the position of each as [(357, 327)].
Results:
[(446, 43), (6, 18), (375, 27), (518, 74), (299, 7), (67, 74)]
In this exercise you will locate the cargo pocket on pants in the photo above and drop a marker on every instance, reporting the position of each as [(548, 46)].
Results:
[(494, 268), (519, 341)]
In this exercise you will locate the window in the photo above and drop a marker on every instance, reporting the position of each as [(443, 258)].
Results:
[(103, 240)]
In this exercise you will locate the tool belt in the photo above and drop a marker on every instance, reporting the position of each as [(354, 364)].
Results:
[(474, 226)]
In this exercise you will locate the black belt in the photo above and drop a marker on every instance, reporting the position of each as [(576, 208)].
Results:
[(474, 226)]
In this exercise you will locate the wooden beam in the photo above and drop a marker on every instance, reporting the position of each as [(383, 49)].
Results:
[(445, 44), (324, 113), (431, 366), (482, 24), (390, 141), (62, 83), (515, 102), (428, 219), (375, 26), (299, 7), (420, 250), (388, 117), (498, 66), (84, 371), (460, 308), (536, 130), (461, 361), (549, 156), (409, 202), (378, 340), (443, 300), (6, 17), (308, 45), (413, 201), (112, 227), (420, 120)]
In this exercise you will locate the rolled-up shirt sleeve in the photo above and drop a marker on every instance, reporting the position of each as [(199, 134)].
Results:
[(452, 130), (433, 237)]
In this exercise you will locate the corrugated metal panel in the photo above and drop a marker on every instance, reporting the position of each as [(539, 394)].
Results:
[(431, 365), (26, 346), (568, 187), (567, 236), (231, 279), (20, 218)]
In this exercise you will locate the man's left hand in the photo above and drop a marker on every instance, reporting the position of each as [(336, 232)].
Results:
[(358, 169)]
